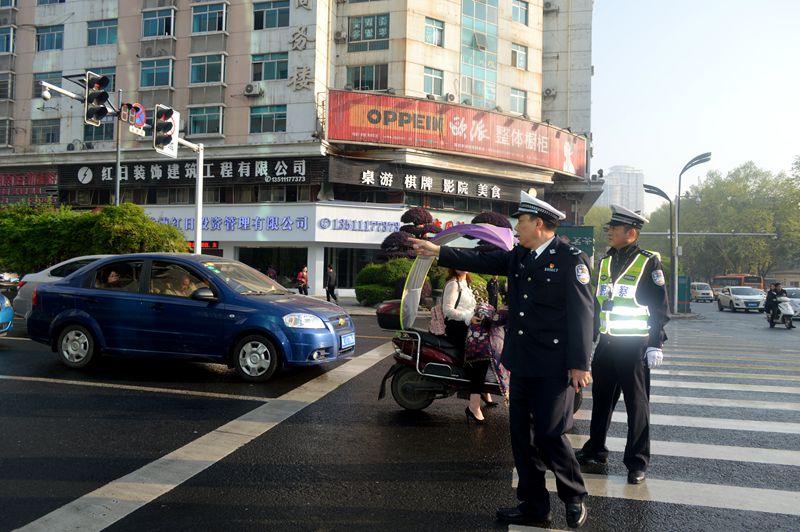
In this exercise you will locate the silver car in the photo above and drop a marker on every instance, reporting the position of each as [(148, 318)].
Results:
[(22, 302)]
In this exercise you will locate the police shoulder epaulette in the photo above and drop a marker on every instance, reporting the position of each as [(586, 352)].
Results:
[(646, 253), (574, 250)]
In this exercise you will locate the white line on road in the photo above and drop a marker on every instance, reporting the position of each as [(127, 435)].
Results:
[(732, 364), (726, 375), (118, 499), (716, 402), (723, 386), (780, 427), (703, 450)]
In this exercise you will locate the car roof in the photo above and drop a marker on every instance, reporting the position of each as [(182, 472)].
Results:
[(185, 256)]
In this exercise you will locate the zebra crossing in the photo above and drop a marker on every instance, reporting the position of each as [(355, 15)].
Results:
[(725, 436)]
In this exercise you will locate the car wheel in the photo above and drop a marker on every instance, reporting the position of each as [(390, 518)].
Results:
[(719, 306), (255, 358), (76, 346), (730, 306), (403, 391), (761, 311)]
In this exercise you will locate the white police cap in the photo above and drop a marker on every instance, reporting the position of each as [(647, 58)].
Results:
[(622, 216), (531, 205)]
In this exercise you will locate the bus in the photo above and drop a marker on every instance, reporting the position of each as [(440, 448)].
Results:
[(737, 279)]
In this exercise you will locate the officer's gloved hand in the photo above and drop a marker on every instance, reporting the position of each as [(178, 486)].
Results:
[(654, 357)]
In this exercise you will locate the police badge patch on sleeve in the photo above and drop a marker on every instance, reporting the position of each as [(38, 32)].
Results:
[(582, 274), (658, 277)]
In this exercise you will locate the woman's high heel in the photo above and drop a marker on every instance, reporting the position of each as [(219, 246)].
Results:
[(469, 414), (488, 404)]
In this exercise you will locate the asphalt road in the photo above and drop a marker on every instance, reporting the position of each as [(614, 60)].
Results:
[(133, 445)]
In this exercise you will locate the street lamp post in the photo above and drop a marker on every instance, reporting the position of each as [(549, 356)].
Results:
[(700, 159), (650, 189)]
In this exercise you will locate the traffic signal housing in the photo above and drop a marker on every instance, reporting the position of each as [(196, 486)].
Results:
[(95, 97), (165, 130)]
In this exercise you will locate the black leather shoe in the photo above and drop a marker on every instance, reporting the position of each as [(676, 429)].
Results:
[(587, 458), (518, 517), (636, 477), (576, 514)]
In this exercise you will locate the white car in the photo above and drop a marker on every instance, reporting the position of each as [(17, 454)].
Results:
[(743, 298), (793, 293), (22, 302)]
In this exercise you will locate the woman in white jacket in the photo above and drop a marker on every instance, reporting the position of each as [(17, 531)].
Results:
[(458, 307)]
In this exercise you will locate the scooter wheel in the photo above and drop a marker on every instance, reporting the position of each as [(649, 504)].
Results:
[(787, 320), (403, 390)]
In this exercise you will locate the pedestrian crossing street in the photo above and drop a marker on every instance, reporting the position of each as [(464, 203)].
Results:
[(725, 441)]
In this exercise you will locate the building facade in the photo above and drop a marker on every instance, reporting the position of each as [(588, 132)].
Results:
[(623, 186), (322, 120)]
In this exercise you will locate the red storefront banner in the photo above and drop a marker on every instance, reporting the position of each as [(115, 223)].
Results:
[(368, 118)]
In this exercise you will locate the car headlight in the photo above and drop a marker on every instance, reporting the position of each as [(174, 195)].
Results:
[(5, 302), (299, 320)]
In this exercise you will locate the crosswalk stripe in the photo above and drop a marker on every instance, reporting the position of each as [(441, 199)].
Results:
[(724, 386), (690, 493), (717, 402), (780, 427), (727, 375), (703, 450), (774, 367), (671, 354)]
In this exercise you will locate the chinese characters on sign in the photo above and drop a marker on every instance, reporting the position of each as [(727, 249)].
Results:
[(27, 187), (424, 183), (241, 223)]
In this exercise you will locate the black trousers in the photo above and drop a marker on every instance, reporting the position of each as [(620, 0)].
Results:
[(302, 290), (619, 366), (330, 292), (540, 412), (456, 332)]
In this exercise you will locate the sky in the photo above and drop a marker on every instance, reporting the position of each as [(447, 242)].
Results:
[(679, 78)]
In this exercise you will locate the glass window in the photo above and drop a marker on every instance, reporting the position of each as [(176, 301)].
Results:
[(268, 119), (119, 276), (434, 31), (50, 38), (8, 3), (6, 132), (207, 69), (434, 81), (48, 2), (53, 78), (519, 101), (210, 17), (156, 73), (102, 32), (519, 56), (157, 23), (46, 131), (74, 266), (110, 73), (105, 131), (170, 279), (205, 120), (6, 40), (271, 66), (6, 85), (369, 32), (270, 15), (368, 77), (519, 11)]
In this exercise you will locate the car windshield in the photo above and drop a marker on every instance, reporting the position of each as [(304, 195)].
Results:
[(244, 279), (794, 293), (745, 291), (702, 286)]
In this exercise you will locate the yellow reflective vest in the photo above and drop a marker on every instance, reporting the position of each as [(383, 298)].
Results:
[(621, 314)]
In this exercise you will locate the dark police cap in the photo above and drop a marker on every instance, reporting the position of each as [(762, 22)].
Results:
[(622, 216)]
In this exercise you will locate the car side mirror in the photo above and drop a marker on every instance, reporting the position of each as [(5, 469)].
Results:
[(204, 294)]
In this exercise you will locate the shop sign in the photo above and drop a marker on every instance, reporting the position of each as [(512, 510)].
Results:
[(367, 226), (27, 187), (239, 223), (274, 171), (582, 237), (367, 118)]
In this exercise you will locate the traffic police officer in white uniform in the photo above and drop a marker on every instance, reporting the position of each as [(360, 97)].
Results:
[(547, 349), (631, 309)]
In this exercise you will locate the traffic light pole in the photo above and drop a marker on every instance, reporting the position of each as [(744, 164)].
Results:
[(198, 213), (119, 150)]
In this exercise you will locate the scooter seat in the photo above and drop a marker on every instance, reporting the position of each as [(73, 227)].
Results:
[(441, 343)]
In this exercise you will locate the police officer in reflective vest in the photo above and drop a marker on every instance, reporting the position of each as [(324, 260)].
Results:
[(547, 349), (631, 309)]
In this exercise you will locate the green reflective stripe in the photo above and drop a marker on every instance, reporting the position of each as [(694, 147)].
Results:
[(628, 317)]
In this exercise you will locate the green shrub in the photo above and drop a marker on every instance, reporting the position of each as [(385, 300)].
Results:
[(371, 274), (372, 294), (394, 271)]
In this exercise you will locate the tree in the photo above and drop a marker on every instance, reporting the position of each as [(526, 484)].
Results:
[(598, 217)]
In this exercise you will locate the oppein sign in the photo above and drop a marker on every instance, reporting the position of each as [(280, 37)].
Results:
[(368, 118)]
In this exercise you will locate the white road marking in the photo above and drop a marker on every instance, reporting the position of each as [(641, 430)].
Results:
[(716, 402), (118, 499), (15, 339), (731, 364), (704, 451), (669, 354), (724, 386), (780, 427), (726, 375)]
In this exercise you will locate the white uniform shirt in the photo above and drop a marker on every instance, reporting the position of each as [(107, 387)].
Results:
[(466, 305)]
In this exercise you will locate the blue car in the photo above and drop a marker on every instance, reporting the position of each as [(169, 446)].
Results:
[(6, 316), (182, 306)]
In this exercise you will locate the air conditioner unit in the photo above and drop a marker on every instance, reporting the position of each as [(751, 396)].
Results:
[(550, 93), (340, 36), (450, 97), (341, 1), (550, 7), (253, 89), (70, 147)]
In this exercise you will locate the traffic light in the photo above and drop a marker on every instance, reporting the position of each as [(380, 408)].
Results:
[(94, 98), (165, 130)]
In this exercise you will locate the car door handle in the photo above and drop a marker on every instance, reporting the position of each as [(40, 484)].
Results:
[(157, 306)]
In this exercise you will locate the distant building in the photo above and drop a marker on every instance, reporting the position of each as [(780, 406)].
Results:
[(623, 186)]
